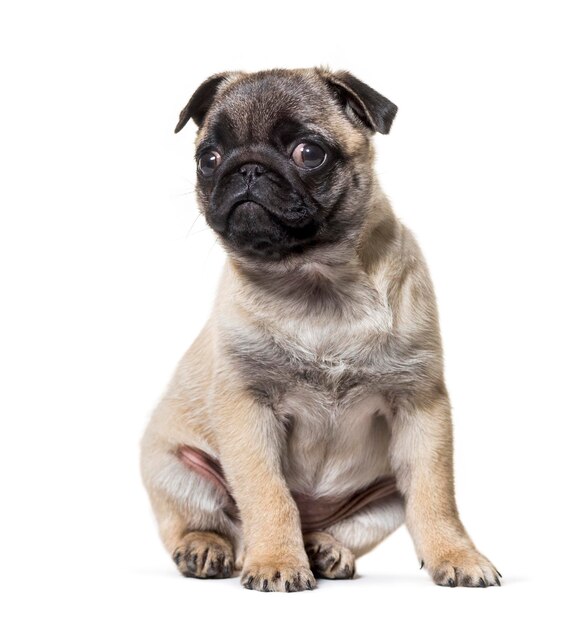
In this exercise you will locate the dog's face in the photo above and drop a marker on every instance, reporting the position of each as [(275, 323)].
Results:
[(284, 160)]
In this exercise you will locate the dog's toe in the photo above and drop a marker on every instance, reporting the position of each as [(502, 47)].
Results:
[(463, 568), (204, 555), (328, 557), (277, 577)]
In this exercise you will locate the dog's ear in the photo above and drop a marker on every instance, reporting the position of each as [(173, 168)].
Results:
[(361, 101), (201, 101)]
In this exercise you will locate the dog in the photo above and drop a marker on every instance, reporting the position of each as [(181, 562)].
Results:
[(309, 419)]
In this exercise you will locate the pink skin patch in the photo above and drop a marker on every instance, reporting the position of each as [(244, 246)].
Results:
[(315, 513), (204, 465)]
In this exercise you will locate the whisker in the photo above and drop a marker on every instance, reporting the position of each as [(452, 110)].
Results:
[(192, 225), (198, 232), (215, 240)]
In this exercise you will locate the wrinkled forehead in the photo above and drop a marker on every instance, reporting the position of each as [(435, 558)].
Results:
[(258, 109)]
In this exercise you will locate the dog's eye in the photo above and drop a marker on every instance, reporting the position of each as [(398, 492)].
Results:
[(209, 162), (308, 155)]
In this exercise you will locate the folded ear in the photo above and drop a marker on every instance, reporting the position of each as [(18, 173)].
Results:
[(201, 101), (361, 101)]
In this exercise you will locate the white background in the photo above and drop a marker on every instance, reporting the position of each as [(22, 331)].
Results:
[(107, 276)]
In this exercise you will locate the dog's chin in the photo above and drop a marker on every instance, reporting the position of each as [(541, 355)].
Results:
[(254, 231)]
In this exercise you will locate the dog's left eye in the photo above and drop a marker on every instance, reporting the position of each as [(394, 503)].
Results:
[(308, 155), (208, 162)]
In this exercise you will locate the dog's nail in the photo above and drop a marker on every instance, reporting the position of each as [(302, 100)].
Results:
[(482, 582), (287, 585), (498, 572), (265, 585), (498, 581), (421, 563), (451, 582)]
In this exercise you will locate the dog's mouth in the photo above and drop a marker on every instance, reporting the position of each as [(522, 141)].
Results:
[(246, 205), (295, 218), (248, 212), (253, 227)]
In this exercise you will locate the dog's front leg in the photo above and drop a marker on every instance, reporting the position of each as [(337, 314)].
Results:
[(421, 451), (250, 443)]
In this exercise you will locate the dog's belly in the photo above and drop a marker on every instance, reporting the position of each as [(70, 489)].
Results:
[(336, 457), (335, 446)]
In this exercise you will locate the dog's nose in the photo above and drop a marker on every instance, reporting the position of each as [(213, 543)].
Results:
[(251, 170)]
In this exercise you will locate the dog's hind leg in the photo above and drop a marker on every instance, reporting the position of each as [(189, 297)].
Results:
[(332, 552), (193, 513)]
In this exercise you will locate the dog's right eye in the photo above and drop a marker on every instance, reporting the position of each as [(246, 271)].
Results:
[(208, 162)]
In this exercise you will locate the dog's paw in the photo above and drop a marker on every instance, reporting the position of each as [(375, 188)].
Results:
[(464, 568), (268, 577), (204, 555), (328, 558)]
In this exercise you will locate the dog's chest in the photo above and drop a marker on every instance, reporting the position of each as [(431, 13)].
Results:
[(337, 417), (328, 380), (334, 445)]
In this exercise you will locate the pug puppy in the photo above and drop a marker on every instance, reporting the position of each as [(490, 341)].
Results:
[(310, 418)]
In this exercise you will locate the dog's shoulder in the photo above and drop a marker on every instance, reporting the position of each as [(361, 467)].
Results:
[(411, 294)]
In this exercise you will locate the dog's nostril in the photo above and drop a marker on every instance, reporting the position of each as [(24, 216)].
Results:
[(251, 170)]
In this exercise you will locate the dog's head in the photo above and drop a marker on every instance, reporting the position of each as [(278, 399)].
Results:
[(284, 157)]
